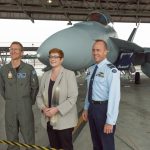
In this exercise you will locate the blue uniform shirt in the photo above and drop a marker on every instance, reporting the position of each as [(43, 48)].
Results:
[(106, 86)]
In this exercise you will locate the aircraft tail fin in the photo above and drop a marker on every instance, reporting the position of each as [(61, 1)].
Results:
[(132, 35)]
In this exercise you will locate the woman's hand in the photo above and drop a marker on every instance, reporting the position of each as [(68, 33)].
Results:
[(44, 109), (51, 111)]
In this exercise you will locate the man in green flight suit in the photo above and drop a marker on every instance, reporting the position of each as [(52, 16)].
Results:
[(19, 87)]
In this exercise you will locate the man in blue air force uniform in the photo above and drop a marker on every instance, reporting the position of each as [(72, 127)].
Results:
[(18, 87), (102, 98)]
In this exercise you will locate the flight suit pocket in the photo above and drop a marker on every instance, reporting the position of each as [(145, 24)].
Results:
[(11, 82)]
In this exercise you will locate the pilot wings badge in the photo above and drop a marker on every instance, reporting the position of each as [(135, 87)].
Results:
[(100, 74)]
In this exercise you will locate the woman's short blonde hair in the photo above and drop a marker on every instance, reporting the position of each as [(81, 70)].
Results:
[(57, 50)]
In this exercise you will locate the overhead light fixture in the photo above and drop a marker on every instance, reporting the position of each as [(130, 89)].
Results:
[(49, 1), (38, 55), (69, 23)]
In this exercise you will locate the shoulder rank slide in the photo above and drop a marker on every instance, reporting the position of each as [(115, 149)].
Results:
[(111, 66)]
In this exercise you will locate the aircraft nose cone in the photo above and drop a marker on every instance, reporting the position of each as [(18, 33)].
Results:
[(74, 43)]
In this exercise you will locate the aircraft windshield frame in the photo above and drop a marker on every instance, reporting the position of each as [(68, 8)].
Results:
[(99, 17)]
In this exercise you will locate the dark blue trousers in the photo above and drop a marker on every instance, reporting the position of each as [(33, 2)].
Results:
[(97, 120)]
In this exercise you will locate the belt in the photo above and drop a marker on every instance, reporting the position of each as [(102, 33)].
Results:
[(99, 102)]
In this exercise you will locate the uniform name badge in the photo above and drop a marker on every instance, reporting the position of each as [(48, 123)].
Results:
[(10, 76)]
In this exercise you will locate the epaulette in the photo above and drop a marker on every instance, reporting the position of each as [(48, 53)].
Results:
[(92, 65), (112, 67)]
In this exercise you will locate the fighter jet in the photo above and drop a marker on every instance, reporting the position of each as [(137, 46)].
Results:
[(76, 42)]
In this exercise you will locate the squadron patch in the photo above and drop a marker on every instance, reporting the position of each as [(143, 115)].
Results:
[(114, 70), (9, 76), (21, 75)]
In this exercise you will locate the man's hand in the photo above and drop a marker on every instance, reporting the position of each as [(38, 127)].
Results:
[(85, 115), (108, 128)]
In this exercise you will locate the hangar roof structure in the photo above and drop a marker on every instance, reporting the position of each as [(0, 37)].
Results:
[(75, 10)]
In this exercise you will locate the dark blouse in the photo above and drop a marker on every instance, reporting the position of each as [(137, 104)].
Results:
[(51, 84)]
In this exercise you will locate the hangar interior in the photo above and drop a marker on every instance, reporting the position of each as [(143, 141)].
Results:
[(134, 109), (75, 10)]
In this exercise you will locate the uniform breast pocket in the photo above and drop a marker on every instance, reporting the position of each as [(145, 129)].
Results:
[(100, 79), (23, 79)]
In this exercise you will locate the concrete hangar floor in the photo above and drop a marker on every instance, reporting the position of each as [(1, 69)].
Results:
[(133, 127)]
